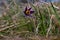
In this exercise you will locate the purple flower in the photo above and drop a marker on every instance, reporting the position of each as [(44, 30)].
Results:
[(28, 12)]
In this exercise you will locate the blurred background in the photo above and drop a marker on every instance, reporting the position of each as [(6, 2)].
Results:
[(43, 25)]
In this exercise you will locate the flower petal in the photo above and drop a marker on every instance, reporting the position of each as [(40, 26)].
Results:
[(29, 9), (25, 8), (27, 14), (31, 12)]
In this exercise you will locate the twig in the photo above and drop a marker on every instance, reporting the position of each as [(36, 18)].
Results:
[(37, 28), (13, 25), (50, 26)]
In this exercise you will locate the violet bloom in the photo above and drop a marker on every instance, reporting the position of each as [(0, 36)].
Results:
[(28, 12)]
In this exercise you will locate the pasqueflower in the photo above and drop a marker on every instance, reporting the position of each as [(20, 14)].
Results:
[(28, 12)]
